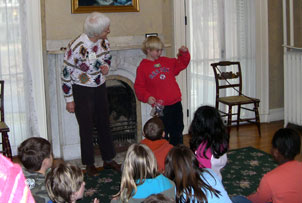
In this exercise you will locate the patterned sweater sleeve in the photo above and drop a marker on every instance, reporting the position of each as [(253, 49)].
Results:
[(67, 69)]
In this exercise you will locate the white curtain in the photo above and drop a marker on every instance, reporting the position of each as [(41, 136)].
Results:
[(20, 113), (219, 30)]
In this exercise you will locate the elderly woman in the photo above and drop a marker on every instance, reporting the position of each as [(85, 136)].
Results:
[(86, 62)]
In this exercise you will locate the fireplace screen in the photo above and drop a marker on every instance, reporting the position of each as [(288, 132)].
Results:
[(122, 113)]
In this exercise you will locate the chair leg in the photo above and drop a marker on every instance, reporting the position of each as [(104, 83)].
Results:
[(230, 119), (238, 116), (257, 117), (7, 151)]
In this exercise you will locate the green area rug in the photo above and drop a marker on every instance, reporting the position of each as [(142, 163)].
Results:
[(244, 170), (241, 176), (102, 186)]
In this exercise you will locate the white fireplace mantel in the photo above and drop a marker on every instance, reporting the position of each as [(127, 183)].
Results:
[(126, 56)]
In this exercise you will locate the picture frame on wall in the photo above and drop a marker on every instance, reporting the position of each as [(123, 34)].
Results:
[(88, 6)]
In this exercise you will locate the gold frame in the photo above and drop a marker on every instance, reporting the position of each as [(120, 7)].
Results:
[(75, 8)]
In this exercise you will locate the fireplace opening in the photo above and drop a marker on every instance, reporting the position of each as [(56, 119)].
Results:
[(122, 114)]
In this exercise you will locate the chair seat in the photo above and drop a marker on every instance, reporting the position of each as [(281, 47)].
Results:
[(235, 100), (3, 127)]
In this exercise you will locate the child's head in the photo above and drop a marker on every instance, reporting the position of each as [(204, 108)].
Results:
[(35, 153), (139, 165), (154, 129), (181, 166), (207, 127), (152, 43), (158, 198), (287, 143), (65, 183)]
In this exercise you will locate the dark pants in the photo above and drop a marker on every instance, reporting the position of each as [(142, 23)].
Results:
[(91, 108), (173, 121)]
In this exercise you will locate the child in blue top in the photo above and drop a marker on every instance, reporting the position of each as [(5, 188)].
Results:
[(140, 177)]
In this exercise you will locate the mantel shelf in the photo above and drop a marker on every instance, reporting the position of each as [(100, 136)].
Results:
[(116, 44), (113, 48)]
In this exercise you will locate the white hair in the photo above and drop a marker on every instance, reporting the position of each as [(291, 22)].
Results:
[(95, 24)]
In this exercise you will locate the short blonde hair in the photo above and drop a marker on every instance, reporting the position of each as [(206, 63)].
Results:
[(139, 165), (63, 181), (152, 43)]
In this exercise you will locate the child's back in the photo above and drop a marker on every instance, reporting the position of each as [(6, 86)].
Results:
[(154, 133), (65, 183), (140, 178), (192, 183), (36, 158), (209, 138), (283, 184)]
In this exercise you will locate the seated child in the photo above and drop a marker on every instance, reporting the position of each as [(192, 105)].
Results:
[(12, 183), (154, 133), (193, 184), (209, 139), (140, 178), (282, 184), (65, 183), (36, 157)]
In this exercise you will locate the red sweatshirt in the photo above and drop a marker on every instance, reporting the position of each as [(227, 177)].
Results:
[(283, 184), (160, 148), (157, 78)]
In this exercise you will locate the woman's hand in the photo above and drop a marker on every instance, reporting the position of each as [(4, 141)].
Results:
[(104, 70), (70, 106)]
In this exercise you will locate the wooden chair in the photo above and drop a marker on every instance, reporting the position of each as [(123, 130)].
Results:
[(4, 129), (228, 76)]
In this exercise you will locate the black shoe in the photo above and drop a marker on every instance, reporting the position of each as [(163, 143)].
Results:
[(91, 170), (112, 165)]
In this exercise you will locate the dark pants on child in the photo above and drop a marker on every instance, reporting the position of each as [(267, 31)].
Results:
[(173, 121), (91, 109)]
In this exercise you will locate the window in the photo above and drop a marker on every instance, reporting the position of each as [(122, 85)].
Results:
[(219, 30)]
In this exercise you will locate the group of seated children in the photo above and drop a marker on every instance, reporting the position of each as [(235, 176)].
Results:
[(64, 183), (155, 171)]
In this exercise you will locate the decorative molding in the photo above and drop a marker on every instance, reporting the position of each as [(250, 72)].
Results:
[(262, 59), (179, 40)]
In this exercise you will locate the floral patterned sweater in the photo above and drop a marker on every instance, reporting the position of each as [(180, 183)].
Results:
[(82, 64)]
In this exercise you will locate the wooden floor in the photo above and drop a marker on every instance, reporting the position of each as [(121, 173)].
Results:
[(247, 135)]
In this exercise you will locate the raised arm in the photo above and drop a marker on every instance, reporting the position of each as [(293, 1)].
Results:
[(183, 60)]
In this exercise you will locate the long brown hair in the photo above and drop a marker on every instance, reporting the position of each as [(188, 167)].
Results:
[(181, 166)]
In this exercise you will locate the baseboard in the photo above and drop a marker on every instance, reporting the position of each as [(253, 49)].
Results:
[(276, 114)]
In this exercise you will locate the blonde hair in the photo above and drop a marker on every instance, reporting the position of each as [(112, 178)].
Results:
[(152, 43), (63, 181), (139, 165)]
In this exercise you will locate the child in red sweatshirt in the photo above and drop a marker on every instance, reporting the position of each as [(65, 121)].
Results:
[(154, 134), (156, 81)]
